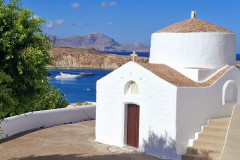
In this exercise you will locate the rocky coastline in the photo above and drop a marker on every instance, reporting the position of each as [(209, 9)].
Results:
[(90, 58)]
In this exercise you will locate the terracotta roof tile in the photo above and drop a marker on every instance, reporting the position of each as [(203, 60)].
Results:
[(174, 77), (194, 25)]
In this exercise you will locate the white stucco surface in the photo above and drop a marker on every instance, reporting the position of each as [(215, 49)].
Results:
[(157, 101), (195, 105), (202, 50), (169, 115), (46, 118)]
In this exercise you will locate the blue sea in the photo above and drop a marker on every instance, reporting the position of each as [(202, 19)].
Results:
[(77, 90), (84, 88), (238, 56)]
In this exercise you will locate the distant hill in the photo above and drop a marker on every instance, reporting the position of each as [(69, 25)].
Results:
[(88, 58), (97, 41)]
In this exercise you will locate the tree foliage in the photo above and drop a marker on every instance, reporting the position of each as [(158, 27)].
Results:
[(24, 47)]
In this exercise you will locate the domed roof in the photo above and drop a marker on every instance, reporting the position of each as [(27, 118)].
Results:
[(193, 25)]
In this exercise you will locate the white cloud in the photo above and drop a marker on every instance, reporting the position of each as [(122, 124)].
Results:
[(75, 5), (59, 22), (110, 23), (112, 3), (49, 25), (105, 4), (52, 24), (80, 24)]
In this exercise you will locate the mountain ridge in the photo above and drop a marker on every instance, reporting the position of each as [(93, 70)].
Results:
[(97, 41)]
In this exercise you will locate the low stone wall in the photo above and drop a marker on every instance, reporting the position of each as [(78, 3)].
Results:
[(46, 118)]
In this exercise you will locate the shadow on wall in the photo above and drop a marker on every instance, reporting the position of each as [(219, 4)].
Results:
[(160, 146), (90, 157)]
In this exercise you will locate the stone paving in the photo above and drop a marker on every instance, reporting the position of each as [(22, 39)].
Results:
[(66, 142)]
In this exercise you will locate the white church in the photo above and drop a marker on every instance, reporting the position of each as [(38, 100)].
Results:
[(179, 104)]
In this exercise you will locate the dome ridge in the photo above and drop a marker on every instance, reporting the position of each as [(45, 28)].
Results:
[(193, 25)]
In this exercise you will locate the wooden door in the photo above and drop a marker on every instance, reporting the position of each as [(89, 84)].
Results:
[(133, 125)]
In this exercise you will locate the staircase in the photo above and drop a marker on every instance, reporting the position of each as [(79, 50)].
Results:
[(209, 143)]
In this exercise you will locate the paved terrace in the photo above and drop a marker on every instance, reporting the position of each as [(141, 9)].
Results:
[(65, 142)]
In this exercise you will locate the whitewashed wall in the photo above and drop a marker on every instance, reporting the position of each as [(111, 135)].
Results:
[(157, 101), (204, 50), (46, 118), (196, 105)]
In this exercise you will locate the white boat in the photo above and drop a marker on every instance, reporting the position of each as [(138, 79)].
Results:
[(67, 76), (86, 74)]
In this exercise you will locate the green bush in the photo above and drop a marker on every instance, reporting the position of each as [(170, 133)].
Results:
[(24, 85)]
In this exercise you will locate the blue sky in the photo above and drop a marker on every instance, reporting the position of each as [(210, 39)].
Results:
[(129, 21)]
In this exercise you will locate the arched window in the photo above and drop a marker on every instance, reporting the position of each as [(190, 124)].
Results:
[(229, 93), (131, 88)]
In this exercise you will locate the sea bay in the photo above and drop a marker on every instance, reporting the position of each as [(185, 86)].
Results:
[(80, 89), (83, 88)]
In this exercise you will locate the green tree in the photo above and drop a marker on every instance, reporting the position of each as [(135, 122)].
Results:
[(23, 59), (6, 97)]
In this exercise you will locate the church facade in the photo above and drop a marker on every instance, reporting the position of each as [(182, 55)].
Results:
[(159, 107)]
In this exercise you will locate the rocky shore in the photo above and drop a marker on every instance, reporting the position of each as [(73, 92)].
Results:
[(88, 58)]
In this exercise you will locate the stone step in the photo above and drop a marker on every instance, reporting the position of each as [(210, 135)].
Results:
[(203, 152), (211, 137), (217, 146), (195, 157), (214, 130), (210, 141), (221, 122)]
